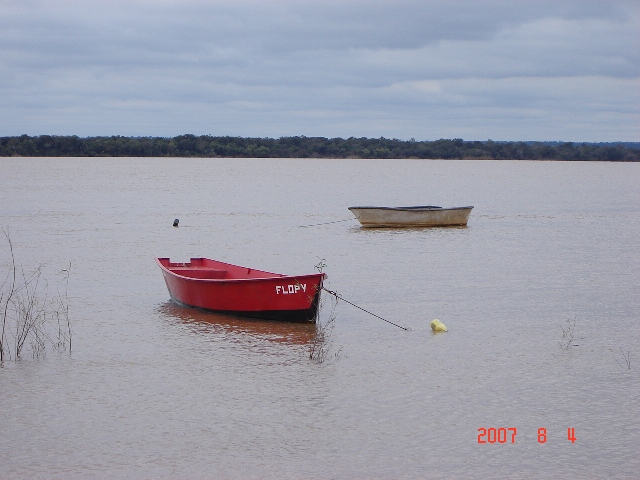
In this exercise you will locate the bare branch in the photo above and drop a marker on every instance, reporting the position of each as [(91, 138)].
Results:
[(27, 313)]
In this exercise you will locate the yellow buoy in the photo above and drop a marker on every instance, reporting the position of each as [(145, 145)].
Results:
[(438, 326)]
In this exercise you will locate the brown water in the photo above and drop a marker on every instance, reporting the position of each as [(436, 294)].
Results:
[(153, 390)]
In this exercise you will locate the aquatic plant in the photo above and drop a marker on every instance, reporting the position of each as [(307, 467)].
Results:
[(568, 334), (626, 357), (322, 342), (28, 316)]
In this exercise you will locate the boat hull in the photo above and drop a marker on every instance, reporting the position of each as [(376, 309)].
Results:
[(233, 290), (427, 216)]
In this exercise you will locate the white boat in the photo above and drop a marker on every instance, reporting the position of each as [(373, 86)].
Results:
[(418, 216)]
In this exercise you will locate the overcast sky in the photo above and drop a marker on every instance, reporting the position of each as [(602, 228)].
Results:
[(423, 69)]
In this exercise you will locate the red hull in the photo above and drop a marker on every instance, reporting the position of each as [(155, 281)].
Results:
[(231, 289)]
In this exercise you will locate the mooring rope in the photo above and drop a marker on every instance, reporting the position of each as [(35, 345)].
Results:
[(335, 294), (326, 223)]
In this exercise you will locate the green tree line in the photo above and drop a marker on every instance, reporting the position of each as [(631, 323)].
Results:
[(310, 147)]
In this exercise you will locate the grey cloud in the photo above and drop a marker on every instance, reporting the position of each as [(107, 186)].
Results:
[(276, 68), (194, 27)]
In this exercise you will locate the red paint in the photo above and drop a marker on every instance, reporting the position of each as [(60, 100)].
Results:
[(542, 435), (225, 288), (496, 434)]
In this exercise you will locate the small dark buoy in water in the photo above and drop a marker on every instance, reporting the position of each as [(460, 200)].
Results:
[(175, 222)]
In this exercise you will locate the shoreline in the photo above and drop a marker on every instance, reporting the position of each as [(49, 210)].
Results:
[(207, 146)]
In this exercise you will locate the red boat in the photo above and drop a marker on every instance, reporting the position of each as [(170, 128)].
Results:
[(230, 289)]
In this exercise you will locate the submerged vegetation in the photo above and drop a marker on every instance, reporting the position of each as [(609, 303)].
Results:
[(568, 334), (311, 147), (322, 341), (626, 359), (30, 320)]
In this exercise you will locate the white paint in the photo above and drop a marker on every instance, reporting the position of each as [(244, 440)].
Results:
[(291, 288)]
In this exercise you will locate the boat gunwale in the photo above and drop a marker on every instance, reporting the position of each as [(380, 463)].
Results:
[(413, 209), (274, 276)]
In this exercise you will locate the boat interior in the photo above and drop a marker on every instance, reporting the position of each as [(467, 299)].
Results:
[(199, 272), (206, 269)]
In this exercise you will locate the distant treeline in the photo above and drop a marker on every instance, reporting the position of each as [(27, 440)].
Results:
[(310, 147)]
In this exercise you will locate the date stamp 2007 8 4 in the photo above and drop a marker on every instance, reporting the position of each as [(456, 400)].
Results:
[(503, 435)]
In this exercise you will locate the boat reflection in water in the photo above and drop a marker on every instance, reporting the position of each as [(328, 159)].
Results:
[(204, 322)]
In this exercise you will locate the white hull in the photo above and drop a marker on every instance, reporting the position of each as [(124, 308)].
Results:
[(427, 216)]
